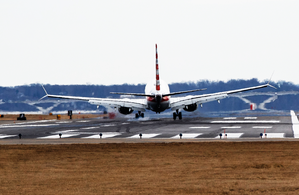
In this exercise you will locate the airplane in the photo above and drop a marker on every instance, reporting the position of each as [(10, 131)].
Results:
[(157, 98)]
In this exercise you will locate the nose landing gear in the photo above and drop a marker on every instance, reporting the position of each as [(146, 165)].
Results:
[(177, 114), (139, 114)]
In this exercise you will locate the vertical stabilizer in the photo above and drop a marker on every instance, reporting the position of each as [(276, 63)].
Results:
[(157, 71)]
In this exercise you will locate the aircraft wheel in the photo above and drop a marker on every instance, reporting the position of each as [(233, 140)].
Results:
[(136, 115), (180, 116), (174, 116), (142, 115)]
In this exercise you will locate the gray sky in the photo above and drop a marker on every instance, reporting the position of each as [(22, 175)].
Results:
[(113, 42)]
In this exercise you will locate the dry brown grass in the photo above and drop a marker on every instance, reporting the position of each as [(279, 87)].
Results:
[(151, 168)]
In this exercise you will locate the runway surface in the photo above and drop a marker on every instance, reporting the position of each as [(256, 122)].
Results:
[(122, 130)]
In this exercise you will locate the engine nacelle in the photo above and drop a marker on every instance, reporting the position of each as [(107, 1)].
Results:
[(125, 110), (190, 108)]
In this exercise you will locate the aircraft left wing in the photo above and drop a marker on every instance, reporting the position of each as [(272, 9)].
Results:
[(181, 102), (135, 104)]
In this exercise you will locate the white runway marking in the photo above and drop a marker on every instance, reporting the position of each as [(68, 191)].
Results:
[(62, 122), (90, 128), (230, 136), (187, 136), (5, 136), (199, 127), (149, 135), (232, 127), (262, 127), (104, 135), (57, 136), (295, 124), (274, 135), (229, 118), (83, 121), (250, 118), (236, 122)]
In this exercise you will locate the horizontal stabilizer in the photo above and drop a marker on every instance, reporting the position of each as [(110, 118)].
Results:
[(135, 94), (181, 92)]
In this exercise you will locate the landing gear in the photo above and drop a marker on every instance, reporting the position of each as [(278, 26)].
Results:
[(177, 114), (139, 114)]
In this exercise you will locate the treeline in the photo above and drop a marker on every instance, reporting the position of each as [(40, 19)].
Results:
[(35, 91), (10, 96)]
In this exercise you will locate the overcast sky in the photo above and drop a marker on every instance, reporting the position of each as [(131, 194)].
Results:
[(113, 42)]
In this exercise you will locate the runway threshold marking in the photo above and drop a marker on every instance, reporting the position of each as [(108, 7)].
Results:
[(104, 135), (230, 136), (187, 136), (57, 136), (295, 124), (5, 136), (274, 135), (149, 135)]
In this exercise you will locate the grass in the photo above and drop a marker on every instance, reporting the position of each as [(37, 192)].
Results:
[(151, 168)]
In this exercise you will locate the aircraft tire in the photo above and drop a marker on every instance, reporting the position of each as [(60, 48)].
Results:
[(180, 116), (136, 115), (174, 116), (142, 115)]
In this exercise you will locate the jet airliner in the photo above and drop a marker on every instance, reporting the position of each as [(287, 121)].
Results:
[(157, 98)]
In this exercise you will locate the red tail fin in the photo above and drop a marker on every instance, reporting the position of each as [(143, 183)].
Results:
[(157, 71)]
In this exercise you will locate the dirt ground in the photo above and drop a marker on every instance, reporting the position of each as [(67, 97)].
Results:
[(151, 168)]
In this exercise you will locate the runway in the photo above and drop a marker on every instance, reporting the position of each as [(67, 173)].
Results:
[(155, 130)]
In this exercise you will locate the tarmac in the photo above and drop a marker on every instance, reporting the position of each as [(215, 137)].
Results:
[(143, 130)]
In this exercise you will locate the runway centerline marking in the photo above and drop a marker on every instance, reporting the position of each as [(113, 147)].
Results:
[(199, 127), (233, 127), (262, 127)]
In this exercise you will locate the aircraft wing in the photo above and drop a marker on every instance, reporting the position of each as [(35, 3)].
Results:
[(181, 102), (135, 104)]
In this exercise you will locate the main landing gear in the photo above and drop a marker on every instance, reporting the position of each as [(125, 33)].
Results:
[(139, 114), (177, 114)]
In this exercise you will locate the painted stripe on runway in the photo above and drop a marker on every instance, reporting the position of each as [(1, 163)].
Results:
[(250, 118), (236, 122), (295, 124), (150, 135), (90, 128), (5, 136), (262, 127), (199, 127), (274, 135), (57, 136), (187, 136), (232, 127), (230, 118), (104, 135), (230, 136)]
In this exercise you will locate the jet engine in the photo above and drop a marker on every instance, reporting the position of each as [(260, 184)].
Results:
[(190, 108), (125, 110)]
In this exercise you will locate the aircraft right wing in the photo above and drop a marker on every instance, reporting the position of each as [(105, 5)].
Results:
[(181, 102)]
